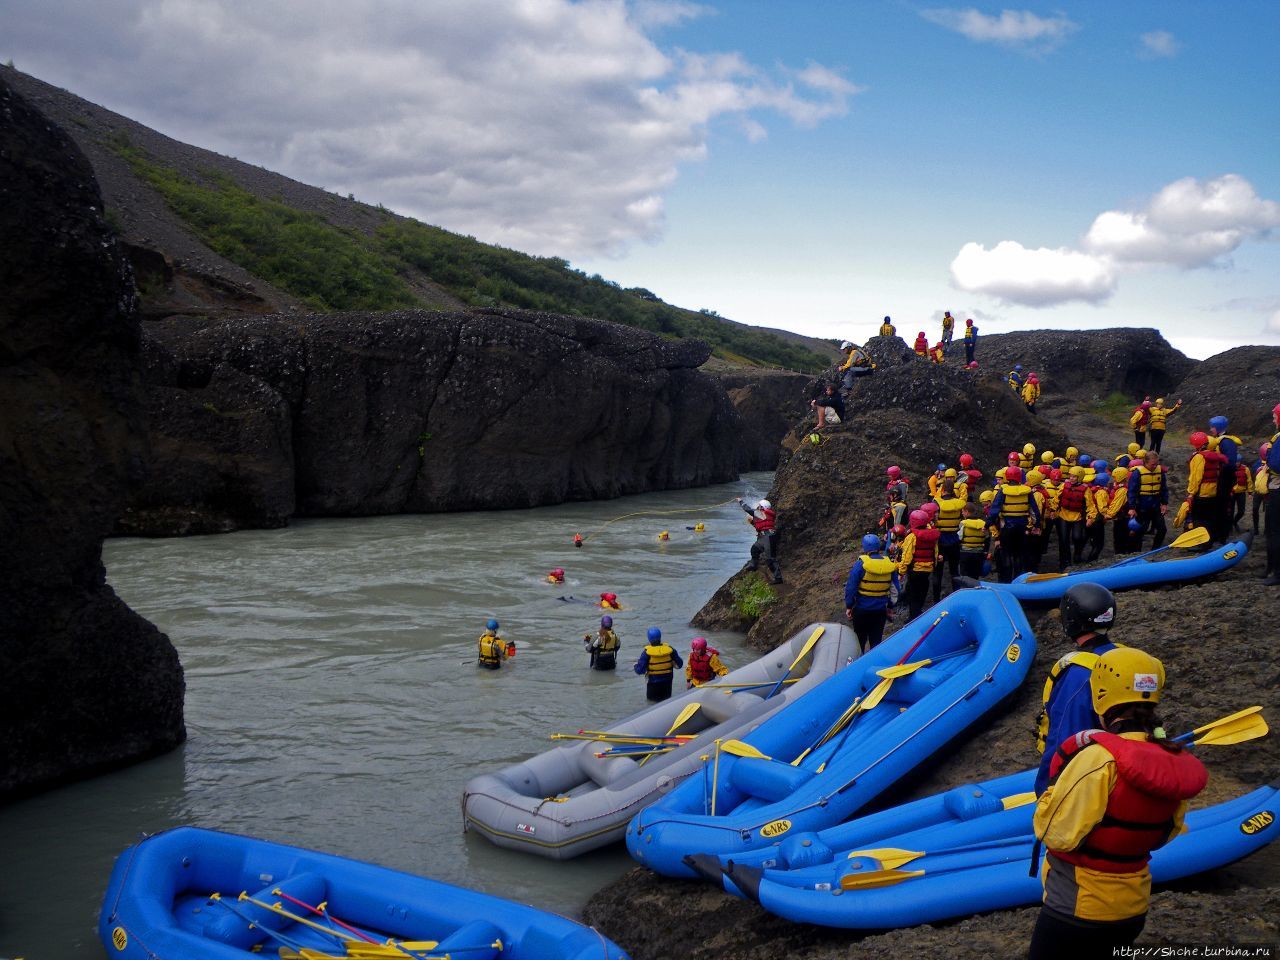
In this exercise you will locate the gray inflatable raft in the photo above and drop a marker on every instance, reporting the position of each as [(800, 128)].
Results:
[(568, 800)]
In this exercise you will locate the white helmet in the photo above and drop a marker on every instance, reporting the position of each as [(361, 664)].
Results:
[(765, 505), (846, 345)]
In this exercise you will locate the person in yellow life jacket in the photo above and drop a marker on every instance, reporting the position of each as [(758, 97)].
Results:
[(921, 346), (1159, 419), (869, 593), (935, 480), (1071, 457), (1116, 512), (657, 665), (603, 646), (610, 601), (887, 329), (1015, 378), (1017, 512), (1037, 539), (1051, 491), (918, 558), (704, 663), (1096, 499), (959, 481), (1139, 421), (1114, 795), (556, 575), (493, 649), (950, 504), (1027, 458), (857, 363), (948, 328), (1031, 392), (1072, 512), (1205, 472), (975, 541), (938, 353), (1149, 500)]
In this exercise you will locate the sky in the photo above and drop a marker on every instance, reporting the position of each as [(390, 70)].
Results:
[(812, 166)]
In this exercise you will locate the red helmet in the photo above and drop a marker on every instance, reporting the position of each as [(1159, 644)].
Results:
[(558, 571), (969, 322), (1013, 475), (931, 508), (1014, 457), (609, 596), (1033, 379), (1198, 440), (1055, 474), (698, 643), (918, 519), (966, 461), (1275, 411), (894, 472), (899, 531), (920, 334), (1145, 404)]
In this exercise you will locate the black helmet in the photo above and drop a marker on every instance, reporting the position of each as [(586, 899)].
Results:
[(1087, 608)]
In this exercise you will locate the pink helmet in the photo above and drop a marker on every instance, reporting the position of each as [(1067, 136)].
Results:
[(931, 508), (698, 643), (894, 472), (1014, 457), (918, 519)]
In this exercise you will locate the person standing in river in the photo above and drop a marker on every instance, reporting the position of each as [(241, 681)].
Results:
[(657, 664)]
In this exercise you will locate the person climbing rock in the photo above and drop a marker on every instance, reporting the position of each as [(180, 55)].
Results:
[(1229, 446), (556, 575), (603, 645), (829, 407), (1139, 420), (493, 649), (1205, 472), (1014, 509), (918, 558), (704, 663), (1149, 500), (921, 345), (857, 363), (1087, 612), (1114, 795), (887, 329), (610, 601), (872, 588), (1014, 379), (1031, 392), (657, 664), (975, 541), (970, 341), (948, 328), (1159, 418), (763, 518)]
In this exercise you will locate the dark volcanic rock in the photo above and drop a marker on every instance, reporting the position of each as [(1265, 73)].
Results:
[(419, 412), (1242, 385), (86, 682), (1089, 364), (769, 405)]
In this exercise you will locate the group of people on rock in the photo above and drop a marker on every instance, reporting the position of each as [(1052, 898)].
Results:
[(1026, 386), (858, 362)]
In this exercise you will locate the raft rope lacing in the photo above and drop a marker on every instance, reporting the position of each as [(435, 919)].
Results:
[(115, 917)]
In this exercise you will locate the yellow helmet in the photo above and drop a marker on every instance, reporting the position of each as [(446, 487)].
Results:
[(1134, 449), (1120, 474), (1125, 675), (1077, 471), (1159, 401), (1034, 478), (1028, 449), (951, 472), (986, 496), (1072, 452), (1046, 457), (1000, 474)]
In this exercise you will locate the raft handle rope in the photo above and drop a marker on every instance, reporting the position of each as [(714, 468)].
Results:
[(658, 513)]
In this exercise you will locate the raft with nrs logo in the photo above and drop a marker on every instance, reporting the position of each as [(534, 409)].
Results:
[(1259, 821)]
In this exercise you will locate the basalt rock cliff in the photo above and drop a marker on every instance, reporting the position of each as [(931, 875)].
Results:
[(769, 405), (85, 683), (1242, 385), (255, 419)]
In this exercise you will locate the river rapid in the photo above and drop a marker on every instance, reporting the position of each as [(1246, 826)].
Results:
[(333, 699)]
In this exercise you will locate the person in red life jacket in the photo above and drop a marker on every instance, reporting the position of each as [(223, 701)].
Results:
[(1114, 795), (872, 588), (704, 663), (1205, 473), (604, 646), (1072, 516), (1139, 420), (1240, 493), (898, 480), (610, 601), (556, 575), (921, 345), (919, 556), (1015, 509), (1229, 446), (577, 540), (1258, 483), (657, 664), (938, 353), (1148, 500), (896, 536), (763, 518), (1087, 612)]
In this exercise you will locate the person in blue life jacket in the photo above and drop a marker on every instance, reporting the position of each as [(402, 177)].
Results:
[(1088, 612), (657, 664), (970, 341), (872, 588)]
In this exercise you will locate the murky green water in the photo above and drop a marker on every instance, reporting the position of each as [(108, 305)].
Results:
[(333, 699)]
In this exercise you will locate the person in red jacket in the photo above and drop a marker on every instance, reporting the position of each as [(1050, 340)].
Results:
[(1206, 471), (917, 560), (1114, 795), (763, 518), (922, 344)]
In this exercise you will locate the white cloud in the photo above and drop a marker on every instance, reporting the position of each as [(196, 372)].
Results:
[(1159, 44), (551, 126), (1037, 278), (1189, 223), (1273, 323), (1012, 28)]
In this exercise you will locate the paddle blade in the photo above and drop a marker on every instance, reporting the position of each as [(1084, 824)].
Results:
[(872, 699), (684, 715), (1230, 718), (1246, 728), (890, 858), (808, 645), (902, 669), (877, 878), (1036, 577), (1019, 800), (1192, 538), (739, 749)]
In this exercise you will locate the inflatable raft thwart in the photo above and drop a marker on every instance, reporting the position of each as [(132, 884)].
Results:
[(975, 858), (817, 762), (579, 796), (1126, 574), (192, 894)]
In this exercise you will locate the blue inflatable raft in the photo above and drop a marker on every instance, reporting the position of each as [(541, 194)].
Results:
[(1123, 575), (817, 762), (968, 862), (192, 894)]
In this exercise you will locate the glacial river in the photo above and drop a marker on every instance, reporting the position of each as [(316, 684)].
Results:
[(333, 700)]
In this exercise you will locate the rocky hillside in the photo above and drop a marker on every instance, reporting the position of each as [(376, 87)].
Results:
[(209, 235), (1241, 384), (258, 419), (769, 405), (85, 683)]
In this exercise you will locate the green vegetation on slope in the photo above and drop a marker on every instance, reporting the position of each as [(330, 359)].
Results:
[(336, 269), (1116, 407)]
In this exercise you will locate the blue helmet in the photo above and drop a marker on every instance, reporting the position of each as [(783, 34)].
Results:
[(1084, 460), (1134, 525), (1100, 465), (1218, 423), (491, 625), (654, 634), (606, 622), (1101, 479), (942, 466), (1017, 368), (871, 543)]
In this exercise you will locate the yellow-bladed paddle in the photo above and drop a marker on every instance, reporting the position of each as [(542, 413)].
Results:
[(1036, 577), (880, 878), (1192, 538), (739, 749), (689, 710), (889, 857), (1238, 731), (901, 670), (804, 652)]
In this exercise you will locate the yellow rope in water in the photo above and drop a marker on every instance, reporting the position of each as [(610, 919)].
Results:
[(657, 513)]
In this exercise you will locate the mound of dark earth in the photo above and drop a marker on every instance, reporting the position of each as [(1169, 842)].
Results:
[(85, 682), (1241, 384)]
